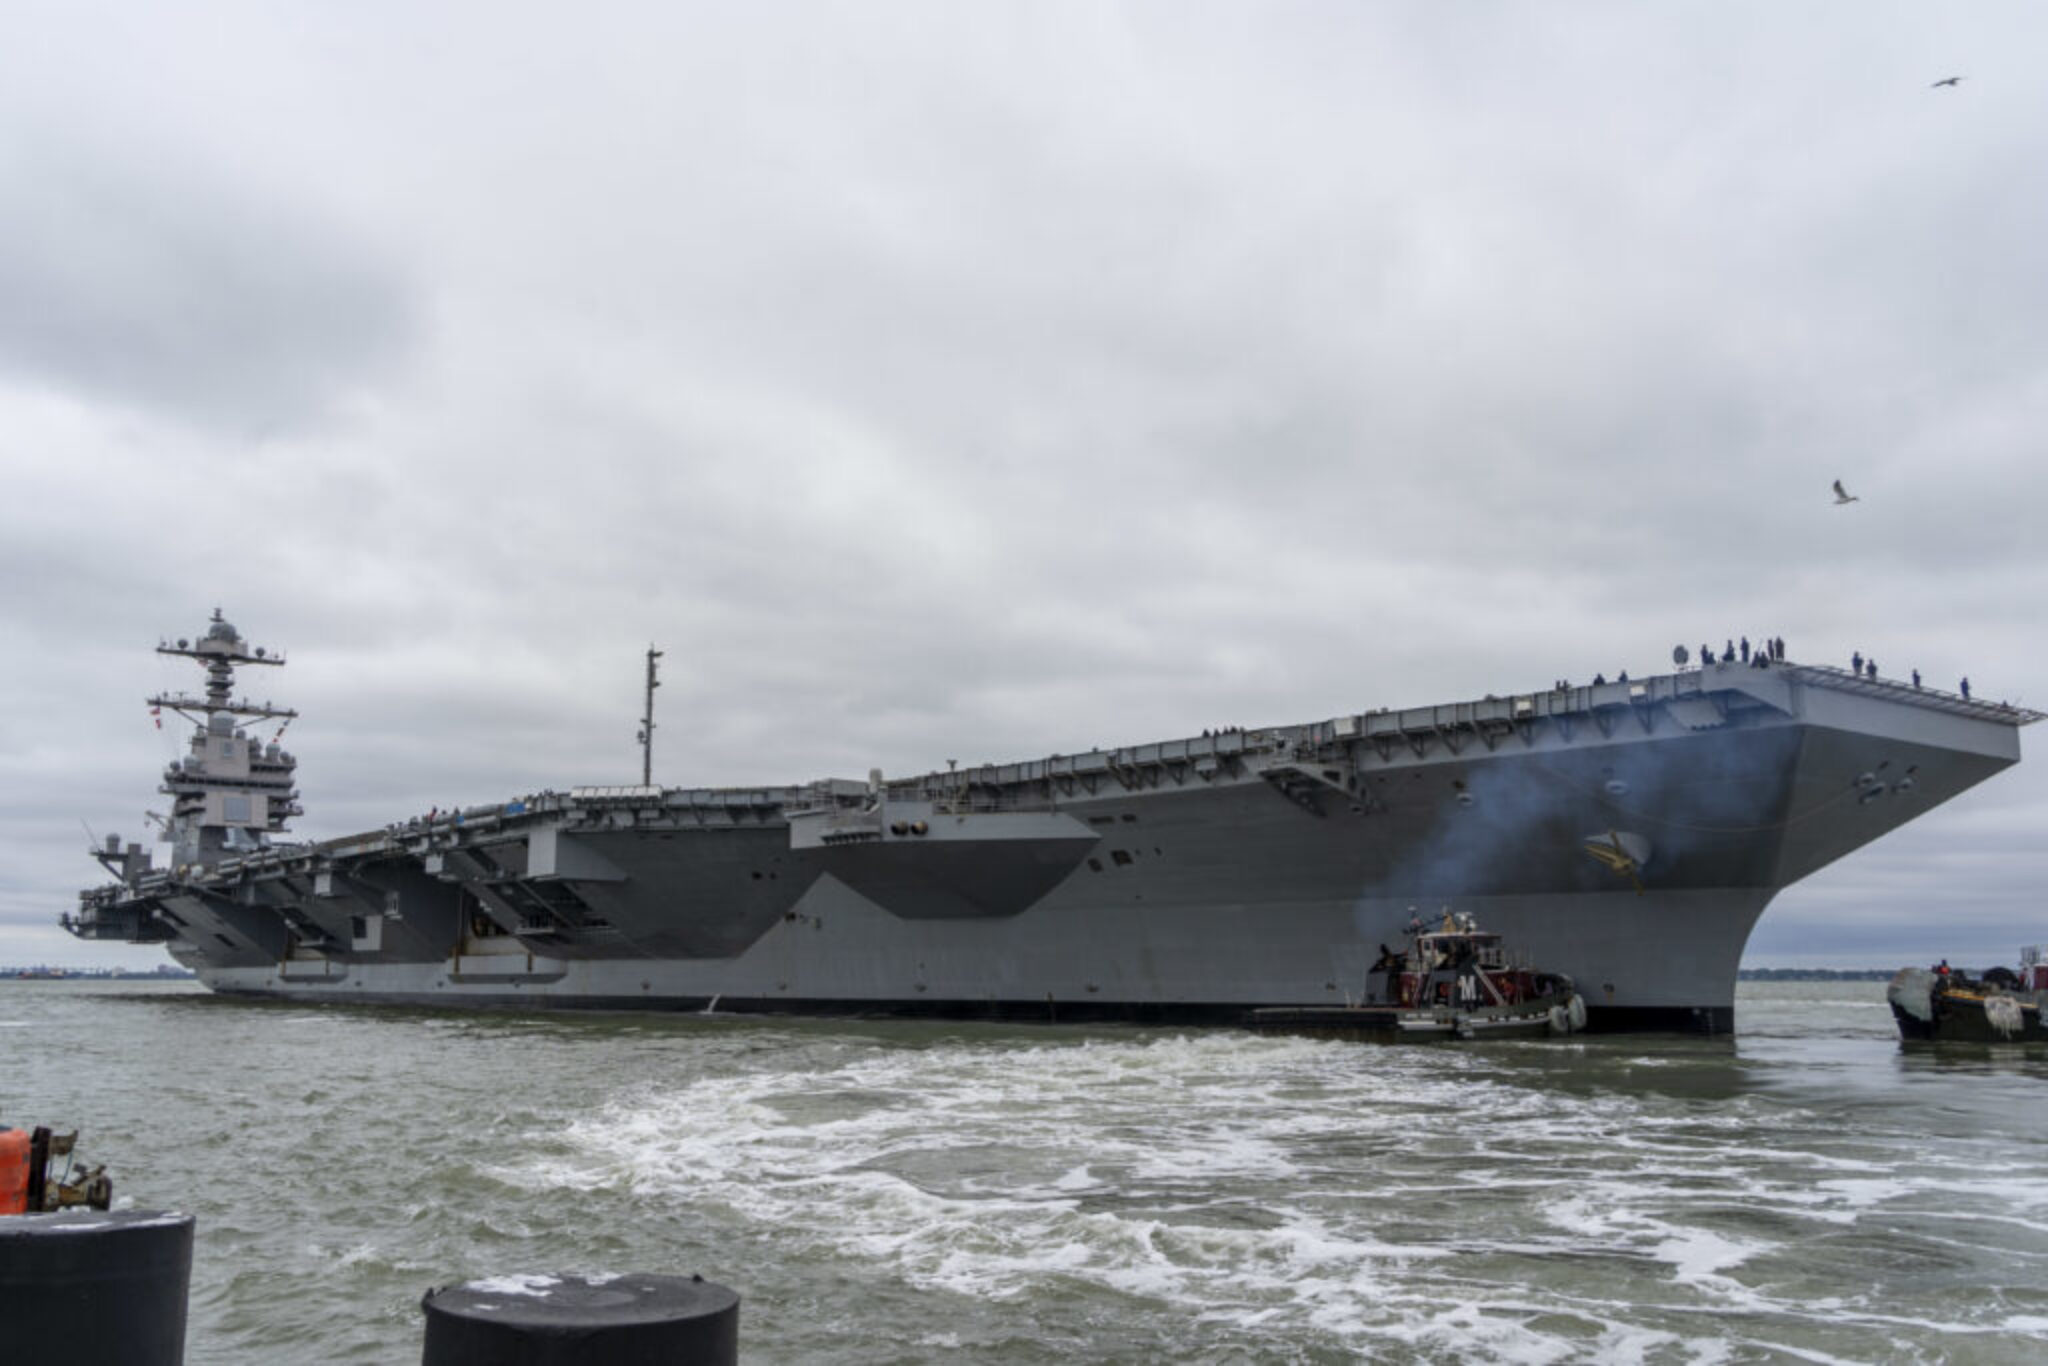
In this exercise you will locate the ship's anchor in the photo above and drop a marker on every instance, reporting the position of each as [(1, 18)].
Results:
[(1616, 858)]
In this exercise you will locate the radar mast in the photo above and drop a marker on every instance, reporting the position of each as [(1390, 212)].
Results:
[(232, 791)]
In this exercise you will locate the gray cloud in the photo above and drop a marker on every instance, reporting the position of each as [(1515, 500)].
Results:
[(131, 280)]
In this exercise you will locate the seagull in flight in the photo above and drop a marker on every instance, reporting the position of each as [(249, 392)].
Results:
[(1843, 495), (1946, 80)]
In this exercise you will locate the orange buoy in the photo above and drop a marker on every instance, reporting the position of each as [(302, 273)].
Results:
[(14, 1145)]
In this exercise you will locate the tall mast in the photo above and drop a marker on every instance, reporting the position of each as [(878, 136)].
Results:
[(233, 791), (647, 722)]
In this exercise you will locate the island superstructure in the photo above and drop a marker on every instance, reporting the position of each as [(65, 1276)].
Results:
[(1628, 834)]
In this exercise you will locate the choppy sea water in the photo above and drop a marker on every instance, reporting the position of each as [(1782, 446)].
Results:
[(1806, 1191)]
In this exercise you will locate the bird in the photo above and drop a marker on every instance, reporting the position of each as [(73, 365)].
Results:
[(1843, 495), (1946, 80)]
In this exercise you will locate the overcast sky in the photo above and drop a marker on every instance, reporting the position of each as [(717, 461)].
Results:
[(979, 381)]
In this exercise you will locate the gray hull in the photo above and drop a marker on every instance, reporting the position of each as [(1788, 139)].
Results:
[(1664, 961), (1628, 835)]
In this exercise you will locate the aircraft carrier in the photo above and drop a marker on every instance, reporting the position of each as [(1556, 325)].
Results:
[(1626, 833)]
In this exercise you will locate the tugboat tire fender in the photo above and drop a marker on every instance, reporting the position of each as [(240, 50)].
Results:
[(1568, 1018)]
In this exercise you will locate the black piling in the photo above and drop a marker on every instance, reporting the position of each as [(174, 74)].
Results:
[(95, 1289), (636, 1320)]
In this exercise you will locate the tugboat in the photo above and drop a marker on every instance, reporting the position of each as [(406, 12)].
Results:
[(1454, 981), (1942, 1004), (28, 1185)]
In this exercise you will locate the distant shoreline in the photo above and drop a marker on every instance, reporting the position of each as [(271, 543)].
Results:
[(43, 974), (1815, 974)]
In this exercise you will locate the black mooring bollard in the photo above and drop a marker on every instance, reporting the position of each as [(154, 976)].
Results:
[(90, 1288), (582, 1321)]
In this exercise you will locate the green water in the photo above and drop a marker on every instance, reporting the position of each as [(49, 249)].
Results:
[(940, 1193)]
